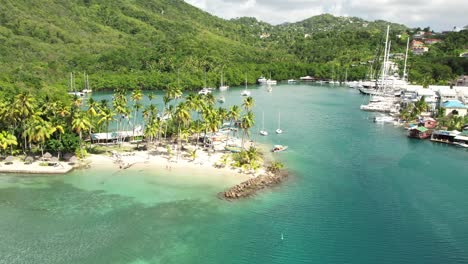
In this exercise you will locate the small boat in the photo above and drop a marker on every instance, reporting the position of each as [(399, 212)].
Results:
[(221, 99), (270, 81), (279, 148), (279, 131), (269, 89), (234, 149), (307, 78), (263, 132), (383, 119), (262, 80), (291, 81), (460, 144), (204, 91)]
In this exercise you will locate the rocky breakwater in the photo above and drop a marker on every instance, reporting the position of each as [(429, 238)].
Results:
[(252, 186)]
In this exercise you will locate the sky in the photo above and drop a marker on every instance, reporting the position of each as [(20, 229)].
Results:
[(438, 14)]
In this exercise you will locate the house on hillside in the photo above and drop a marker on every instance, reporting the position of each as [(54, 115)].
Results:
[(431, 41), (454, 107), (447, 94), (418, 48)]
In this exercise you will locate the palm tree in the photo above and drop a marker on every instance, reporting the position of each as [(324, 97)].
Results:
[(247, 122), (80, 123), (136, 98), (182, 117), (7, 140), (275, 167), (234, 115), (248, 103), (23, 107), (106, 116)]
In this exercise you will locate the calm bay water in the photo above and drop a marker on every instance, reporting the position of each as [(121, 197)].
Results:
[(359, 193)]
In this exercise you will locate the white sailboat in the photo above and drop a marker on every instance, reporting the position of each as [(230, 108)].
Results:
[(223, 87), (279, 131), (245, 92), (263, 132)]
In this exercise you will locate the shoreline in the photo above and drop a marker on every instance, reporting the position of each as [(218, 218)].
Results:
[(205, 168)]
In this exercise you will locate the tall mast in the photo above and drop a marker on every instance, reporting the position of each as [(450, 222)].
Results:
[(385, 55), (405, 75)]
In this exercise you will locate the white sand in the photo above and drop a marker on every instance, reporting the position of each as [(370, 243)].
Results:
[(157, 160), (34, 168)]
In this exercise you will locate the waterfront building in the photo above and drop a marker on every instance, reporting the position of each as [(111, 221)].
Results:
[(454, 107)]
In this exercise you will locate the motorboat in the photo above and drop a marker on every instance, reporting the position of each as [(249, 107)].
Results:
[(384, 119), (291, 81), (221, 99), (279, 148), (262, 80), (307, 78)]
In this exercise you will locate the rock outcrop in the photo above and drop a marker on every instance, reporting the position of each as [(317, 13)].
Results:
[(252, 186)]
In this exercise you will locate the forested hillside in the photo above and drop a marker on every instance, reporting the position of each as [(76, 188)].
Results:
[(154, 43)]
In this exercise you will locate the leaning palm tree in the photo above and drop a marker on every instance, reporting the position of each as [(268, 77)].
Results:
[(247, 122), (136, 98), (80, 123)]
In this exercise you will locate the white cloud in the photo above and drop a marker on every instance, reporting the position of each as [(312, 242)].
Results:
[(438, 14)]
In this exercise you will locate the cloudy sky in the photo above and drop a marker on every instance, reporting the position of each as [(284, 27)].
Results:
[(438, 14)]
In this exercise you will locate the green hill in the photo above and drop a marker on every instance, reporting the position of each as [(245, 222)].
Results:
[(152, 44)]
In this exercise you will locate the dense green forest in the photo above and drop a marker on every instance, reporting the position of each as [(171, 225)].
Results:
[(159, 44)]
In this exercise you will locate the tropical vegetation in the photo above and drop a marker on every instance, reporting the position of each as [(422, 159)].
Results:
[(145, 45)]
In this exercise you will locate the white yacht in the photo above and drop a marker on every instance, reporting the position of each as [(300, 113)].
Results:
[(204, 91), (262, 80)]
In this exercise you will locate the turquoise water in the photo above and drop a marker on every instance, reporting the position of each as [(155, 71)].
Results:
[(359, 193)]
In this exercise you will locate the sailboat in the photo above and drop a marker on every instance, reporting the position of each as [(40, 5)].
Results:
[(270, 81), (269, 88), (205, 90), (263, 132), (245, 92), (223, 87), (86, 84), (73, 88), (279, 131)]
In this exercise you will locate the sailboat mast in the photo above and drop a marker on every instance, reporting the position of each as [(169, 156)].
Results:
[(263, 121), (405, 75), (279, 120), (385, 55)]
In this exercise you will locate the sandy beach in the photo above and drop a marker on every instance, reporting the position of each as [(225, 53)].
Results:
[(157, 160), (18, 166)]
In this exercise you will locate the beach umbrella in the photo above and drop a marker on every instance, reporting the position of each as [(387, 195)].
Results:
[(9, 159), (67, 156), (73, 159), (54, 160), (29, 160), (47, 155)]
